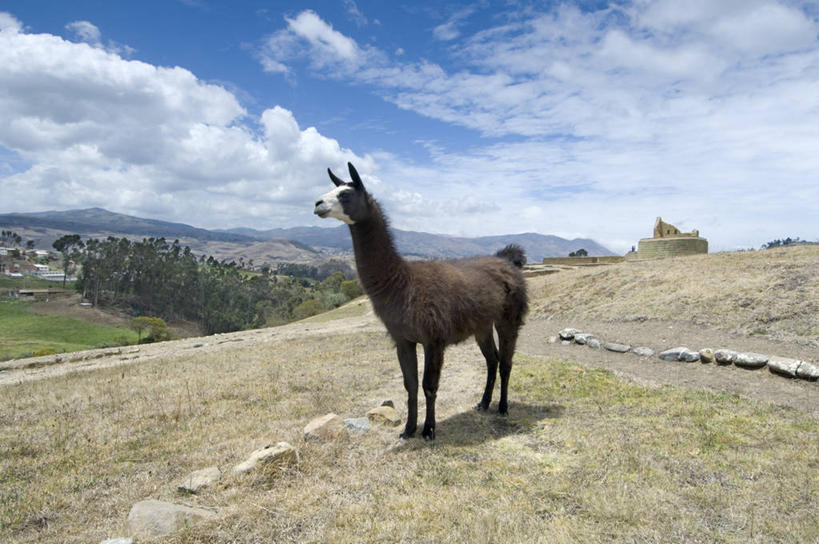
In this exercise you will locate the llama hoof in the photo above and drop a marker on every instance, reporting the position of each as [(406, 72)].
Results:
[(503, 410), (406, 435), (429, 434), (481, 407)]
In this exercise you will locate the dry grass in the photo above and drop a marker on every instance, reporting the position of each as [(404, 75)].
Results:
[(583, 456), (773, 292)]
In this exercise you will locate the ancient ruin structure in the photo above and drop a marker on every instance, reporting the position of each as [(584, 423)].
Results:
[(668, 241)]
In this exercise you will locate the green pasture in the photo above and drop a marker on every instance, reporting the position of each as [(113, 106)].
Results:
[(23, 333)]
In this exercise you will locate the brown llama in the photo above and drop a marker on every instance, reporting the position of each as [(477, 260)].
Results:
[(433, 303)]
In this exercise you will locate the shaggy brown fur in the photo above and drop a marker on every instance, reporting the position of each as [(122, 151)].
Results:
[(433, 303)]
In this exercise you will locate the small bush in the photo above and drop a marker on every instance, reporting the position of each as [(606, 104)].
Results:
[(156, 327), (43, 351), (308, 308), (351, 289)]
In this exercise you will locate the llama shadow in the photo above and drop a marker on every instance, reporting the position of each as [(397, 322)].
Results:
[(471, 427)]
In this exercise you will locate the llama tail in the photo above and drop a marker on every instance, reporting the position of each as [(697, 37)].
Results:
[(514, 254)]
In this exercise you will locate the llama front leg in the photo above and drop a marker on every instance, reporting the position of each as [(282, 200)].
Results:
[(409, 368), (433, 361)]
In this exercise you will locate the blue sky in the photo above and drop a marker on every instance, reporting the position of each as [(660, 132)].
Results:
[(474, 118)]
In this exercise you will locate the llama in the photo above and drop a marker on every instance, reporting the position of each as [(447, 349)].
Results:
[(432, 303)]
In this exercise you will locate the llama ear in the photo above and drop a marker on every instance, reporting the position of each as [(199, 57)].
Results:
[(335, 179), (356, 179)]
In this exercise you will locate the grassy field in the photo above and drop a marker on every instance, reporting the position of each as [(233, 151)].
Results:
[(23, 333), (31, 282), (584, 456)]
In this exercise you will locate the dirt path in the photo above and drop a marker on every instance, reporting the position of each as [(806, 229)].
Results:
[(661, 335), (656, 334)]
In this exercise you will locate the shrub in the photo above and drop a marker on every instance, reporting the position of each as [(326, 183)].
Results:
[(156, 327), (43, 351), (308, 308), (351, 289)]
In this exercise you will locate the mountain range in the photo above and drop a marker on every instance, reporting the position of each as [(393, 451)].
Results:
[(296, 244)]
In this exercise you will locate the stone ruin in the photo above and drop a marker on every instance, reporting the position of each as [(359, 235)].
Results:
[(669, 241)]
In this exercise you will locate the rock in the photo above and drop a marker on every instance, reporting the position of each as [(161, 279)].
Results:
[(199, 479), (808, 371), (673, 354), (725, 356), (389, 403), (384, 415), (565, 342), (689, 356), (643, 351), (357, 424), (784, 366), (707, 356), (593, 343), (152, 519), (751, 360), (614, 346), (282, 454), (326, 428), (120, 540), (568, 333), (582, 337)]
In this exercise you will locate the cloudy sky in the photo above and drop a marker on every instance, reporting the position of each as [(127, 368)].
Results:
[(584, 118)]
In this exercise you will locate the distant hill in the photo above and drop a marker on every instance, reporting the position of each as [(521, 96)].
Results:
[(94, 220), (297, 244), (422, 244)]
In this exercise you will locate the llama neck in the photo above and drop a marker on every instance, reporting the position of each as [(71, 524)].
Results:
[(382, 271)]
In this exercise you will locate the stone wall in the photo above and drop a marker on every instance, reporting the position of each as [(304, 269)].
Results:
[(661, 248), (576, 261)]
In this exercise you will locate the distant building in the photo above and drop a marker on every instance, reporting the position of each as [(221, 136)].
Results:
[(669, 241)]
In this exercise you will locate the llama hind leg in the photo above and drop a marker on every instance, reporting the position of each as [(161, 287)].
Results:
[(433, 361), (409, 369), (487, 344), (508, 336)]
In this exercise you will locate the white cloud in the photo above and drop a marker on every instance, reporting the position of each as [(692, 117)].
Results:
[(86, 31), (704, 112), (307, 35), (354, 13), (94, 129), (446, 31), (8, 23)]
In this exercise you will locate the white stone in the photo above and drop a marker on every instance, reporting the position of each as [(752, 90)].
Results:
[(725, 356), (199, 479), (152, 518), (357, 424), (282, 453), (568, 333), (808, 371), (614, 346), (326, 428), (384, 415), (751, 360)]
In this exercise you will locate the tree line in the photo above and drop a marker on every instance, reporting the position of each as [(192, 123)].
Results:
[(157, 278)]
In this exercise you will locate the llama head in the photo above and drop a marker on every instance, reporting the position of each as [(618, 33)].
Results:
[(348, 202)]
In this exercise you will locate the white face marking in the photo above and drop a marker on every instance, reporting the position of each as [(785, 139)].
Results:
[(330, 206)]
